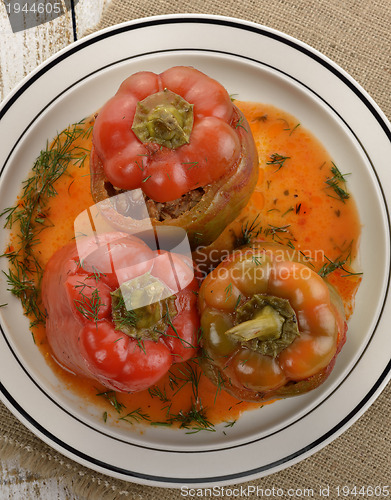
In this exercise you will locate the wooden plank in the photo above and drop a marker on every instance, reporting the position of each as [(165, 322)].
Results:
[(23, 51), (88, 14), (20, 53)]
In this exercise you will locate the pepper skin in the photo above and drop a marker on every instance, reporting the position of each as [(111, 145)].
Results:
[(90, 330), (271, 326), (214, 152)]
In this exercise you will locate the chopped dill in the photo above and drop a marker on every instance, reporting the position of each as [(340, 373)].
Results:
[(335, 182), (228, 292), (190, 164), (275, 231), (240, 124), (290, 209), (155, 391), (194, 420), (330, 266), (294, 128), (220, 385), (135, 416), (249, 231), (290, 244), (122, 316), (237, 302), (88, 305), (341, 262), (277, 159), (111, 397), (256, 259), (30, 215)]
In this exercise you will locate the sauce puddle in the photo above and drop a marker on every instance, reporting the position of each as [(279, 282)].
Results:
[(301, 200)]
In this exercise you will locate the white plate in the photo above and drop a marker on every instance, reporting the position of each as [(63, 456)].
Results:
[(258, 64)]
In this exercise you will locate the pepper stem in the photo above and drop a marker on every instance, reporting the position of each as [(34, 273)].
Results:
[(140, 307), (265, 325), (164, 118)]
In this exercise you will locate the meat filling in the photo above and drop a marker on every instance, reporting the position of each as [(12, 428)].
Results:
[(174, 209), (130, 206)]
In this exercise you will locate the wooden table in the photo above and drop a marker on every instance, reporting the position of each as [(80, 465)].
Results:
[(20, 53), (24, 50)]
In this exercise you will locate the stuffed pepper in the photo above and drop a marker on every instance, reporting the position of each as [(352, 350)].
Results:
[(272, 327), (118, 311), (177, 142)]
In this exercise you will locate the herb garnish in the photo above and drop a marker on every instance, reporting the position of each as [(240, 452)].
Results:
[(339, 263), (228, 291), (275, 231), (111, 397), (277, 159), (191, 164), (294, 128), (249, 230), (335, 184), (194, 419), (155, 391), (88, 305), (135, 416), (330, 266), (240, 123), (31, 216)]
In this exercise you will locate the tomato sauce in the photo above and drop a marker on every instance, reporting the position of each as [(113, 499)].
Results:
[(296, 202)]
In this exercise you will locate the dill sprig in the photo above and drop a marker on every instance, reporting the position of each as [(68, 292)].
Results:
[(294, 128), (168, 320), (277, 159), (335, 182), (249, 231), (219, 386), (23, 286), (240, 124), (191, 164), (275, 231), (187, 373), (332, 265), (136, 415), (339, 263), (123, 317), (30, 215), (256, 259), (89, 304), (111, 397), (228, 292), (194, 420), (155, 391)]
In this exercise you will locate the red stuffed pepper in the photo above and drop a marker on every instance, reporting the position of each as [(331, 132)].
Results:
[(177, 139), (272, 327), (118, 312)]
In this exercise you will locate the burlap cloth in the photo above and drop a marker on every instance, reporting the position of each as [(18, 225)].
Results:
[(356, 35)]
